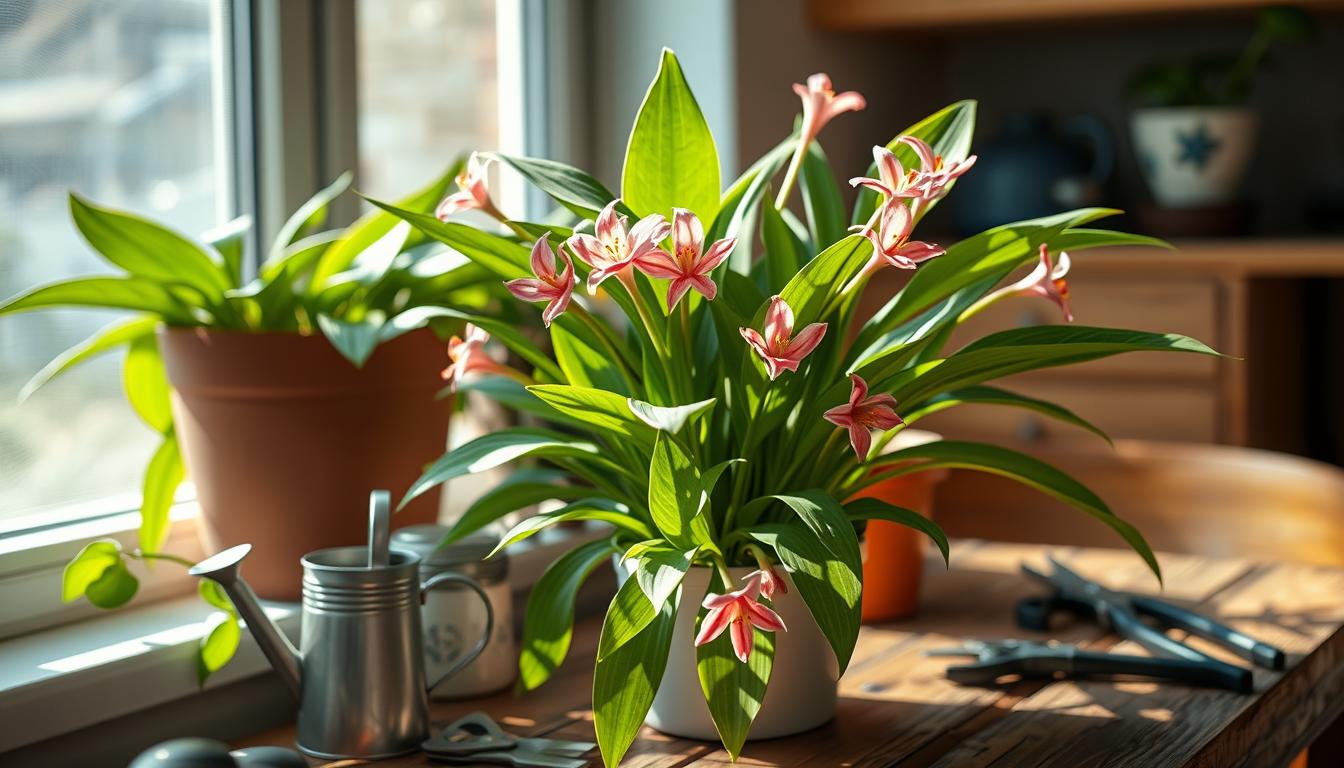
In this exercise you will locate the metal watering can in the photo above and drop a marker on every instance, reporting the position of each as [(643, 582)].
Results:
[(359, 673)]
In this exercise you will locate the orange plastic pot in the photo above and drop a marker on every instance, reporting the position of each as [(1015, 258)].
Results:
[(284, 439), (893, 555)]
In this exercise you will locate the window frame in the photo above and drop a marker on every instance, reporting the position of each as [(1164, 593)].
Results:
[(291, 80)]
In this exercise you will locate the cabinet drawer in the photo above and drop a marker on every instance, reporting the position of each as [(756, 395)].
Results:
[(1145, 411), (1172, 305)]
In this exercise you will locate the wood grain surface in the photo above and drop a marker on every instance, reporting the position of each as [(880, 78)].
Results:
[(896, 708)]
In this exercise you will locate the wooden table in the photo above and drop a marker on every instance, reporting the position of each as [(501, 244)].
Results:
[(896, 708)]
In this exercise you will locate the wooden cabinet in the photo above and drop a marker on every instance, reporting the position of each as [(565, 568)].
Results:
[(865, 15), (1237, 296)]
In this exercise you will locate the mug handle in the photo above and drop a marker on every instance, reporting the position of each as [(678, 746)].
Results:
[(439, 579)]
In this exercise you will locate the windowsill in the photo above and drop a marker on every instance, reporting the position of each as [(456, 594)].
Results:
[(60, 680)]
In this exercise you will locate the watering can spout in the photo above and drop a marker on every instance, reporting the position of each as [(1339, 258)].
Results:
[(222, 568)]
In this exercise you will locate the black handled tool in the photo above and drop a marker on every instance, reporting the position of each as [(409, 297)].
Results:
[(1123, 612), (1043, 660)]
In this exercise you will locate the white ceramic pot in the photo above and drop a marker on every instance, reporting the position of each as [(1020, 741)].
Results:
[(801, 694), (1193, 156)]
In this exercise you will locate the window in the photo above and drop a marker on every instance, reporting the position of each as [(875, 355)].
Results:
[(427, 88), (129, 103)]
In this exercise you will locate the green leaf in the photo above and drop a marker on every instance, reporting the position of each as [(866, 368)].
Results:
[(230, 241), (521, 489), (734, 691), (875, 509), (1082, 239), (212, 593), (496, 449), (133, 293), (371, 228), (87, 567), (981, 395), (658, 572), (602, 409), (1025, 349), (674, 490), (217, 647), (109, 338), (356, 341), (822, 201), (297, 260), (624, 684), (162, 477), (146, 384), (603, 510), (499, 330), (585, 362), (948, 131), (668, 418), (148, 250), (809, 290), (567, 185), (500, 255), (549, 621), (310, 217), (114, 588), (826, 563), (784, 255), (671, 159), (1017, 466)]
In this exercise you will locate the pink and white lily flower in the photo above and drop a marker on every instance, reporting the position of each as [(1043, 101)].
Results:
[(771, 581), (778, 347), (862, 414), (468, 357), (891, 240), (615, 248), (690, 263), (931, 179), (1047, 280), (821, 103), (472, 191), (738, 612), (548, 285)]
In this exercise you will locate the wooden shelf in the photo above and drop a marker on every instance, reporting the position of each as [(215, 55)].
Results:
[(1232, 258), (866, 15)]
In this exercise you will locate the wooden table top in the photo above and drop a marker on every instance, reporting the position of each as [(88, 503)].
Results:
[(896, 708)]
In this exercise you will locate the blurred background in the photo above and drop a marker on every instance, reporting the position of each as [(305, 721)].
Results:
[(1212, 123)]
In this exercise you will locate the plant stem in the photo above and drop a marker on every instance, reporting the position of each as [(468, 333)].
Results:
[(791, 176), (740, 473), (141, 555), (721, 565), (628, 280), (617, 350)]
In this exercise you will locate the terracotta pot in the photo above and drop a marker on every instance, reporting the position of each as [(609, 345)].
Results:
[(893, 555), (284, 439)]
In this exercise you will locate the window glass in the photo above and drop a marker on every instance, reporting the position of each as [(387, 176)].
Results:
[(428, 92), (120, 101)]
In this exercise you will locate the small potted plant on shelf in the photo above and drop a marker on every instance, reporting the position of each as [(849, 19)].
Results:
[(1192, 130), (726, 432), (285, 396)]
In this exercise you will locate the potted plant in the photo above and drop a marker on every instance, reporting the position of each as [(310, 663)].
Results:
[(1192, 131), (725, 433), (285, 397)]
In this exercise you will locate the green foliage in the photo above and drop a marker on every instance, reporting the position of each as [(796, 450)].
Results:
[(733, 690)]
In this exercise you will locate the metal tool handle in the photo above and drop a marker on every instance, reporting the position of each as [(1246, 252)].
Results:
[(1211, 674), (380, 528), (1245, 646), (438, 580)]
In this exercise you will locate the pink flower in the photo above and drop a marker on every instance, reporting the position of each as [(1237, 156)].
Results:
[(771, 581), (778, 347), (892, 240), (547, 285), (931, 180), (468, 356), (615, 249), (863, 413), (891, 177), (690, 263), (821, 103), (472, 191), (1047, 280), (738, 612)]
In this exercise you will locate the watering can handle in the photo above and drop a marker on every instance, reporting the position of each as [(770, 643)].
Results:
[(440, 579)]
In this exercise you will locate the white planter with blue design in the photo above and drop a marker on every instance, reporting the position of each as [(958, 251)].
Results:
[(1193, 156)]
